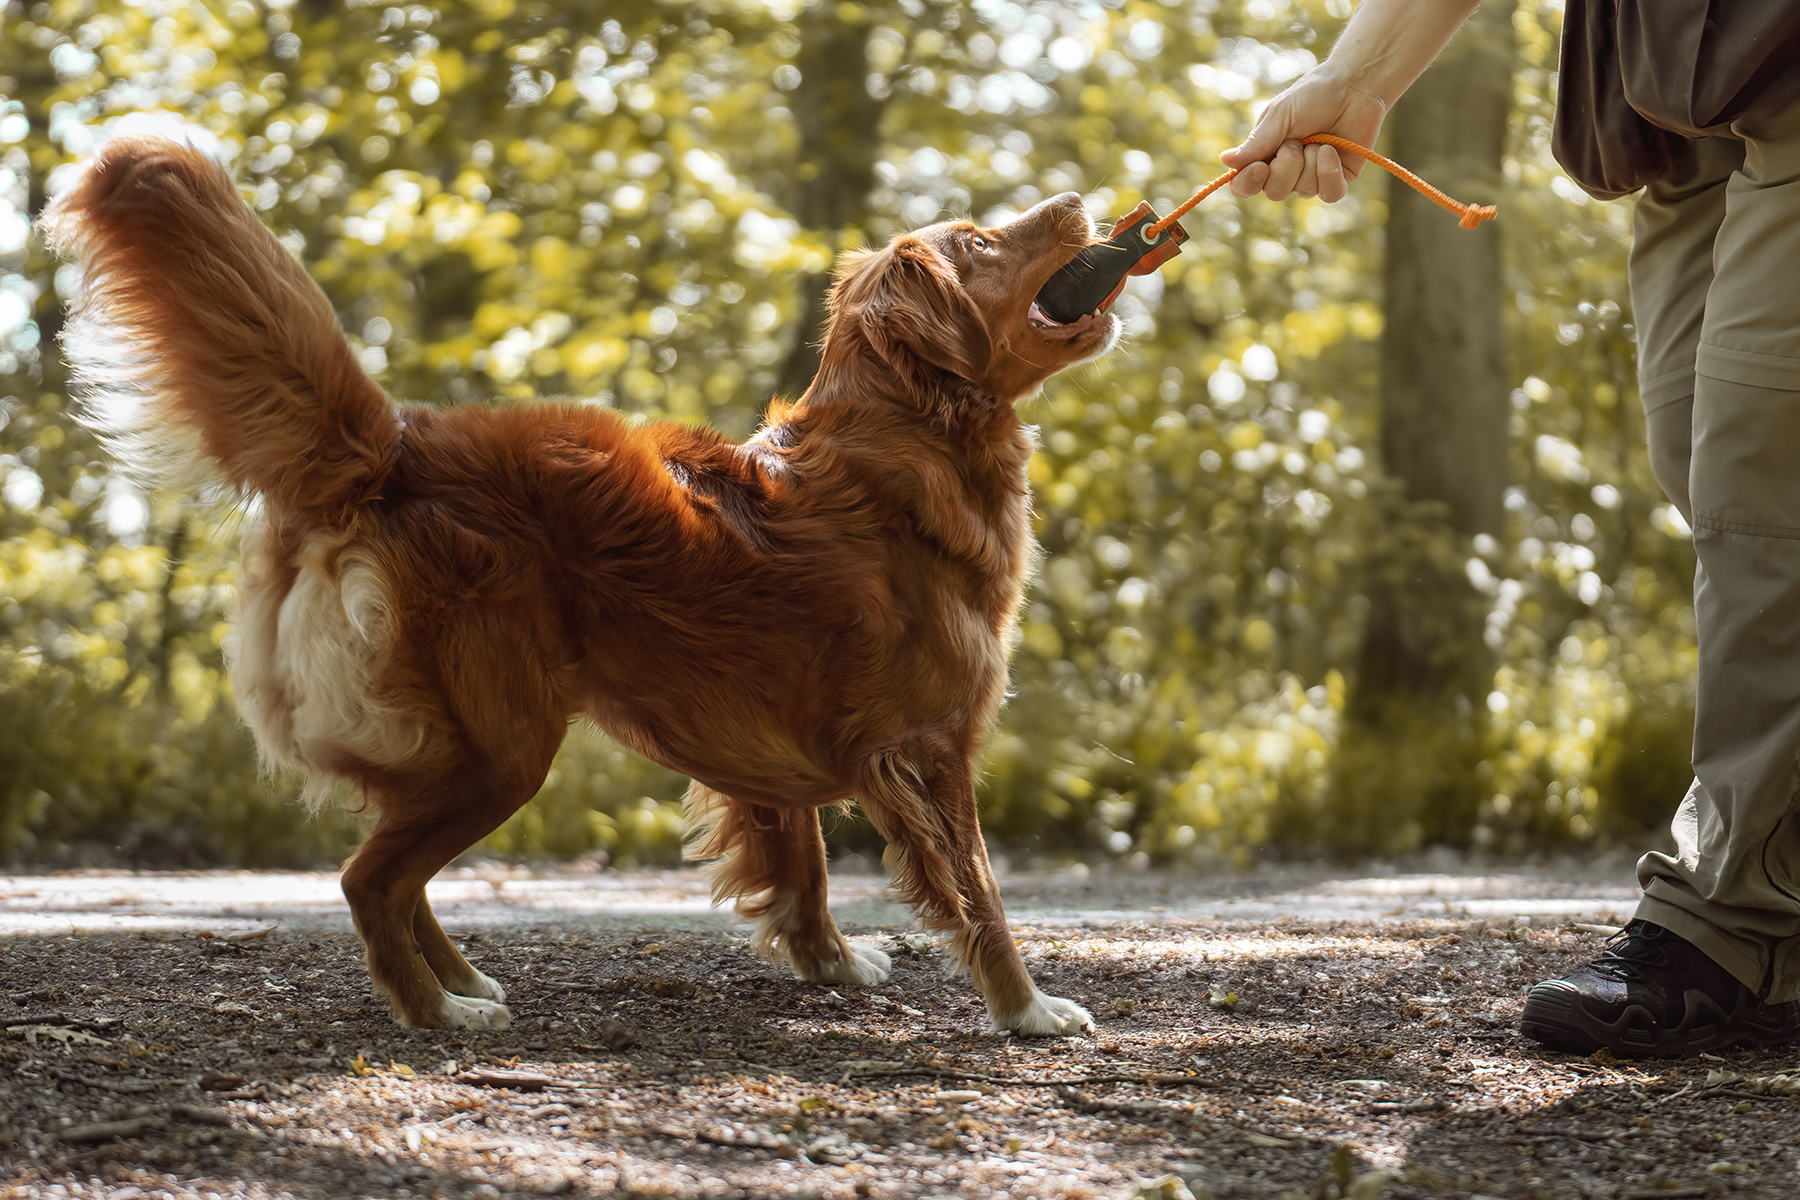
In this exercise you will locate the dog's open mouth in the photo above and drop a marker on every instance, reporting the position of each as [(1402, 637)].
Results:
[(1078, 295), (1044, 321), (1085, 287)]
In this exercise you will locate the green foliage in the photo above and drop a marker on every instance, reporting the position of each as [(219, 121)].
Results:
[(508, 199)]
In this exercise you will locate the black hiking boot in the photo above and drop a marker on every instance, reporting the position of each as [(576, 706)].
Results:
[(1652, 992)]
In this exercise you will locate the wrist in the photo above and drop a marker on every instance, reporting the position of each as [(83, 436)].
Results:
[(1366, 81)]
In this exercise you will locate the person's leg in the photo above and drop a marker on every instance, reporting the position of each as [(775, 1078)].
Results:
[(1715, 285), (1733, 885), (1674, 228)]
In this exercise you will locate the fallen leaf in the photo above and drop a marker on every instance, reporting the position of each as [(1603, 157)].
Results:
[(1263, 1139), (910, 943), (616, 1035), (1169, 1187)]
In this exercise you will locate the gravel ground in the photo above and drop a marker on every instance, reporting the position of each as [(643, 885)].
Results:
[(1295, 1053)]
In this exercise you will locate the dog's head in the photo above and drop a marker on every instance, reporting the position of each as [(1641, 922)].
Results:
[(959, 300)]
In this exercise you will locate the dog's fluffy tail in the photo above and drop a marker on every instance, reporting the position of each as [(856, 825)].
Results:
[(206, 353)]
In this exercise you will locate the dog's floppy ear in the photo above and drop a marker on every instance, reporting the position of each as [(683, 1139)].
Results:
[(911, 307)]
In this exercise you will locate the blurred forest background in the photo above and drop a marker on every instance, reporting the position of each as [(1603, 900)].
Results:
[(1352, 547)]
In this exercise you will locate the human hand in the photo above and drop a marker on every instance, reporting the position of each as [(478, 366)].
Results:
[(1273, 161)]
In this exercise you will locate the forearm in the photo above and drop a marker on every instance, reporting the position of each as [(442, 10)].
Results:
[(1387, 44)]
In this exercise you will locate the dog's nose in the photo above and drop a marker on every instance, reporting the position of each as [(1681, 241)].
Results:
[(1069, 202)]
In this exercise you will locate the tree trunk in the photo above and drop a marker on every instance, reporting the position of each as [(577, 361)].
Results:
[(1409, 765), (1443, 357), (840, 125)]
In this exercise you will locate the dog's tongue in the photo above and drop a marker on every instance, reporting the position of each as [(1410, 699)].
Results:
[(1093, 279)]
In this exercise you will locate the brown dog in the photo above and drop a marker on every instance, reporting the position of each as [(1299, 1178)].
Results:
[(429, 596)]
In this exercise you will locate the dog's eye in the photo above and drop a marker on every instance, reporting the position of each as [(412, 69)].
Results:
[(979, 242)]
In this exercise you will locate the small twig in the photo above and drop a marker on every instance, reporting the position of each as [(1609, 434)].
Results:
[(753, 1139), (124, 1087), (1200, 1081), (1743, 1095), (51, 1019), (1685, 1089), (105, 1131), (1580, 1135), (518, 1081), (200, 1116), (763, 1068), (1133, 1108), (530, 1081)]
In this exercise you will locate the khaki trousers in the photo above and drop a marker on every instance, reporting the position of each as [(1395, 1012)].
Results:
[(1715, 282)]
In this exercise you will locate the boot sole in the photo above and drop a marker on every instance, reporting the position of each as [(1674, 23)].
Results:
[(1555, 1017)]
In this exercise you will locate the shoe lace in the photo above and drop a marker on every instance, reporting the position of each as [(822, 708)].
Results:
[(1626, 953)]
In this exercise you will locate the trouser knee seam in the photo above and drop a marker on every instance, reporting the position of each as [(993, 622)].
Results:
[(1709, 524), (1666, 387)]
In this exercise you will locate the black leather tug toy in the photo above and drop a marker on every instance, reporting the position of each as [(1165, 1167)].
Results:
[(1095, 277)]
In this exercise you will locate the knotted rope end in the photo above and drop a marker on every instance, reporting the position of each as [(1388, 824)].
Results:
[(1475, 214)]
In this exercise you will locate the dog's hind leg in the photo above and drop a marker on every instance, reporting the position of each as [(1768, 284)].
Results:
[(923, 803), (772, 862), (424, 824), (447, 962), (384, 881)]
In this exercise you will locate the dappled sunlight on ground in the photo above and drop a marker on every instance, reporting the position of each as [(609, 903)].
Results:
[(656, 1060), (496, 895)]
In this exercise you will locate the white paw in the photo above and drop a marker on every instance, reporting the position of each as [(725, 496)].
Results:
[(1046, 1016), (864, 964), (485, 987), (463, 1012)]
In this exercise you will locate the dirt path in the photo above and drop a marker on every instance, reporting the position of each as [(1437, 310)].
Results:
[(199, 1034)]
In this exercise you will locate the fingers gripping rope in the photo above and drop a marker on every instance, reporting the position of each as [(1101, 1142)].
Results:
[(1469, 215)]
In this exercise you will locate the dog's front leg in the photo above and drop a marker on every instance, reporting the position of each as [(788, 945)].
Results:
[(924, 805), (772, 862)]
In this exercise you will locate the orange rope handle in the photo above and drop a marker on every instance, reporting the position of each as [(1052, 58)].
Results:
[(1469, 215), (1152, 232)]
